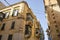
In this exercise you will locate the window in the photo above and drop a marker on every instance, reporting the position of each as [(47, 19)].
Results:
[(0, 37), (53, 14), (29, 16), (53, 17), (45, 7), (15, 13), (57, 30), (59, 35), (7, 15), (54, 21), (28, 30), (56, 26), (12, 26), (49, 27), (10, 37), (2, 15), (37, 30), (3, 26), (52, 11), (50, 38)]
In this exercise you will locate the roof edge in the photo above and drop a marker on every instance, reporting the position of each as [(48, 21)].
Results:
[(16, 4)]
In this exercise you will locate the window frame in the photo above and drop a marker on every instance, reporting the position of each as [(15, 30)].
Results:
[(28, 31), (29, 17), (7, 14), (12, 25), (15, 12), (3, 26), (10, 37)]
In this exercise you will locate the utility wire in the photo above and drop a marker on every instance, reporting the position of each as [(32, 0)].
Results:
[(6, 2)]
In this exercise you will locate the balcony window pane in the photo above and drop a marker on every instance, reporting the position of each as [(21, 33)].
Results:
[(13, 24)]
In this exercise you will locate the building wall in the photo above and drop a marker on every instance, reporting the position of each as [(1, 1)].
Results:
[(18, 33), (53, 18), (49, 2)]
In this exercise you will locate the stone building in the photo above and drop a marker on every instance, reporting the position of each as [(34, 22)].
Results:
[(17, 22), (52, 10)]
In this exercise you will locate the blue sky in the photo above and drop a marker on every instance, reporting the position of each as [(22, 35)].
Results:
[(37, 7)]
